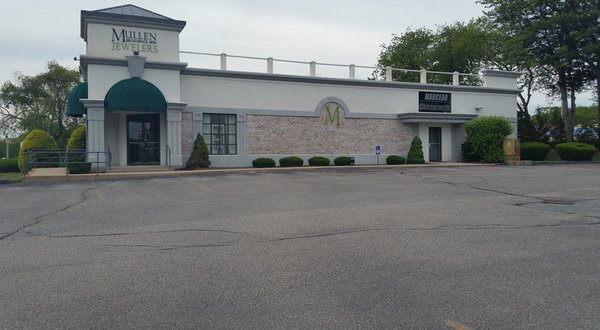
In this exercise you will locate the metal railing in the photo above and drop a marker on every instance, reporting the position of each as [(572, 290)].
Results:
[(37, 158), (377, 72)]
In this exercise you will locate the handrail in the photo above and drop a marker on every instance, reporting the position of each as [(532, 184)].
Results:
[(35, 158), (388, 71)]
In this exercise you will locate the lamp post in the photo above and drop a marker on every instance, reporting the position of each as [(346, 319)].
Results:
[(7, 141)]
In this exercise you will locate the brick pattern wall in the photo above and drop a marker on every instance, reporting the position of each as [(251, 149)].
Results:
[(311, 135), (187, 133)]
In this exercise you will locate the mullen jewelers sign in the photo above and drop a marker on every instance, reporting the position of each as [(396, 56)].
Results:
[(435, 102), (134, 40)]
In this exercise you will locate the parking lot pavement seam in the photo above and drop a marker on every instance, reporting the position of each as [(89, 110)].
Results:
[(40, 218)]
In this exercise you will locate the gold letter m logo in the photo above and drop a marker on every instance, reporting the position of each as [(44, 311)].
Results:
[(331, 118)]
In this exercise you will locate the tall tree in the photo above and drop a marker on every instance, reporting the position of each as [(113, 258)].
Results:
[(39, 102), (410, 50), (548, 30), (462, 47)]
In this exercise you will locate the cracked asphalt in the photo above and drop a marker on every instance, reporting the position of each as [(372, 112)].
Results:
[(408, 248)]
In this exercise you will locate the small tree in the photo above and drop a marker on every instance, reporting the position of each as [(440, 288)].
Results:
[(485, 136), (77, 141), (415, 154), (199, 156)]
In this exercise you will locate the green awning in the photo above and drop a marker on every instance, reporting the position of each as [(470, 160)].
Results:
[(74, 106), (134, 95)]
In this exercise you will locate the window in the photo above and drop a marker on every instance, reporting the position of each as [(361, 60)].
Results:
[(220, 133)]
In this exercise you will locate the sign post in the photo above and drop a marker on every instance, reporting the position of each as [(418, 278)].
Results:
[(378, 152)]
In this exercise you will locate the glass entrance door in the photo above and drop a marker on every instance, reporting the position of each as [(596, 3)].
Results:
[(143, 140), (435, 144)]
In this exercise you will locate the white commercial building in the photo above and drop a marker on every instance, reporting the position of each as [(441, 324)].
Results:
[(144, 106)]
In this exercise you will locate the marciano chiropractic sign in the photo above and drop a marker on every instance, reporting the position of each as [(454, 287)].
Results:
[(435, 102), (124, 39)]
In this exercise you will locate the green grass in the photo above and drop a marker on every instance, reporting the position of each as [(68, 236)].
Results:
[(553, 156), (10, 177)]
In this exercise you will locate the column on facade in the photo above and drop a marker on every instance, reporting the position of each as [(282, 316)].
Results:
[(174, 114), (97, 154)]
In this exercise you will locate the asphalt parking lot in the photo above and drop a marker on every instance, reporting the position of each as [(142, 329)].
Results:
[(422, 248)]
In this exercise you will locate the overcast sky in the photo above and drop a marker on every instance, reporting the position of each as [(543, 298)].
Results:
[(331, 31)]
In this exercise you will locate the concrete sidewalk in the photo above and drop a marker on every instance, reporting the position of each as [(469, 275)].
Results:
[(59, 174)]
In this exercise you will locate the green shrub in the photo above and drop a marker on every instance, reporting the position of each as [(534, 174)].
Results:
[(77, 141), (36, 139), (9, 165), (395, 160), (415, 153), (318, 161), (343, 161), (468, 153), (263, 162), (291, 161), (485, 135), (575, 151), (199, 156), (552, 156), (534, 150)]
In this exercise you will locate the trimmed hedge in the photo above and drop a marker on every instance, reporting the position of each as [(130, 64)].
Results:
[(395, 160), (318, 161), (36, 139), (415, 154), (77, 141), (534, 150), (291, 161), (263, 162), (575, 151), (9, 165), (343, 161)]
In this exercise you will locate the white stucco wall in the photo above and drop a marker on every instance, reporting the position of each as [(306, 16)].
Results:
[(102, 77), (218, 92)]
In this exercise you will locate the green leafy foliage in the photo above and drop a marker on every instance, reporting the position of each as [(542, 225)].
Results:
[(9, 165), (395, 160), (77, 141), (318, 161), (552, 156), (575, 151), (199, 157), (39, 102), (415, 153), (534, 150), (36, 139), (263, 162), (291, 161), (343, 161), (485, 136)]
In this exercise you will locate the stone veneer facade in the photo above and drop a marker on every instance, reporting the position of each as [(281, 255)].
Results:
[(314, 135), (187, 134)]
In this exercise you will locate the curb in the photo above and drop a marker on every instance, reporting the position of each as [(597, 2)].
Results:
[(245, 170)]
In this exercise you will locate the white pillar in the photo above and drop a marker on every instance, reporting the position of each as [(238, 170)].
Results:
[(455, 78), (352, 71), (223, 61), (423, 76), (95, 132), (388, 73), (174, 111), (313, 68), (270, 65)]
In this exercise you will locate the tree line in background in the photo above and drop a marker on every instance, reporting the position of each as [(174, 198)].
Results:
[(556, 44), (39, 102)]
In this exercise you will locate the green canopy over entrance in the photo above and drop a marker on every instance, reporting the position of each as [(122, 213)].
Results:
[(134, 95), (74, 106)]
